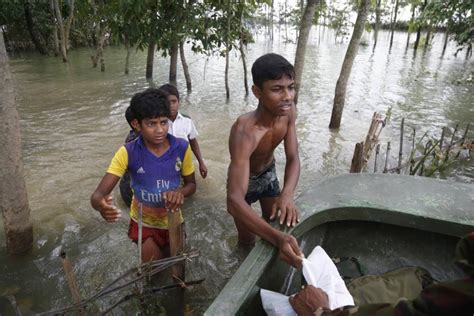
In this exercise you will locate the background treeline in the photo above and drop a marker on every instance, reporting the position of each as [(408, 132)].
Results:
[(212, 26)]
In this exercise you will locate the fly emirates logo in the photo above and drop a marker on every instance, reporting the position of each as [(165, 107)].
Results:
[(155, 197)]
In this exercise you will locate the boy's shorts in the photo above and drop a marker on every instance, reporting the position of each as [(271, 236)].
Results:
[(264, 184), (160, 236)]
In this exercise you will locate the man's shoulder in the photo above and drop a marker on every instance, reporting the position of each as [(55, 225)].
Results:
[(179, 143), (245, 120), (134, 143), (184, 117)]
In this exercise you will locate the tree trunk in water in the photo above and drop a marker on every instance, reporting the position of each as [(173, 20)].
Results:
[(67, 30), (13, 195), (445, 44), (340, 95), (377, 23), (469, 51), (187, 76), (101, 51), (227, 50), (244, 65), (35, 36), (60, 24), (417, 40), (418, 31), (428, 38), (99, 56), (413, 7), (149, 59), (242, 49), (392, 30), (55, 29), (173, 63), (271, 19), (127, 57), (305, 28)]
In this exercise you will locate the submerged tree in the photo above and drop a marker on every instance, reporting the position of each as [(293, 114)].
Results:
[(456, 17), (36, 36), (13, 195), (63, 26), (377, 22), (305, 28), (394, 21), (341, 85), (419, 25)]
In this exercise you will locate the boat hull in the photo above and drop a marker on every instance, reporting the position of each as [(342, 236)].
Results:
[(385, 221)]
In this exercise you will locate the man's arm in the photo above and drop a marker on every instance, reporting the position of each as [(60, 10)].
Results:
[(285, 203), (101, 200), (240, 146), (197, 152)]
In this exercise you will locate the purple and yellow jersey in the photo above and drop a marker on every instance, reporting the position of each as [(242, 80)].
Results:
[(152, 175)]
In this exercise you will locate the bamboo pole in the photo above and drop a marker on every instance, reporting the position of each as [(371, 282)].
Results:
[(149, 269), (368, 137), (71, 280), (386, 158), (400, 151), (372, 138), (451, 142), (463, 139), (377, 151), (411, 161), (140, 236), (176, 235), (357, 158)]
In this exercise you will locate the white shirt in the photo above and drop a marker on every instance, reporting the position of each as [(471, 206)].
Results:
[(183, 127)]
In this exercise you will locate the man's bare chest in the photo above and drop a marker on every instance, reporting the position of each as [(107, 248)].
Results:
[(267, 141)]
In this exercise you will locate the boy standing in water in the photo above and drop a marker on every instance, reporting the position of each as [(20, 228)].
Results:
[(252, 175), (182, 126), (157, 162), (124, 185)]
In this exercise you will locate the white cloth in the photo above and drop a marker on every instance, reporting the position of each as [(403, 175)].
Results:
[(319, 271), (183, 127)]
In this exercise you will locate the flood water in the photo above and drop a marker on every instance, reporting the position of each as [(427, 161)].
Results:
[(72, 119)]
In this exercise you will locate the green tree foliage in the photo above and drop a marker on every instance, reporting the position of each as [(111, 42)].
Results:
[(13, 22), (339, 21), (455, 15)]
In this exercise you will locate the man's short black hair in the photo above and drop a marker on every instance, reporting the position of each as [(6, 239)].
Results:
[(149, 104), (271, 67), (169, 89)]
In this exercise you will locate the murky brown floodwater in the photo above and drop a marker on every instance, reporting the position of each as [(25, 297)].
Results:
[(72, 119)]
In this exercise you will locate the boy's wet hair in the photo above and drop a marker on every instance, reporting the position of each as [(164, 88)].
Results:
[(149, 104), (271, 67), (129, 116), (169, 89)]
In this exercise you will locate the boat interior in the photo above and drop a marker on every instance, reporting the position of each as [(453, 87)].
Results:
[(378, 247)]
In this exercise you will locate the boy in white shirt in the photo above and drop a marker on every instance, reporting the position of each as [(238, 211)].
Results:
[(181, 126)]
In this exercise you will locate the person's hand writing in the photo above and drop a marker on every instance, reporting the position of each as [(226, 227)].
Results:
[(173, 200), (308, 300), (289, 250), (109, 211), (287, 209)]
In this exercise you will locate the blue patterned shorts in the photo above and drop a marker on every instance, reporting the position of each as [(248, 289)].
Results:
[(264, 184)]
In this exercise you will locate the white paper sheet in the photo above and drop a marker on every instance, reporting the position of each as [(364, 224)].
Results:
[(318, 270)]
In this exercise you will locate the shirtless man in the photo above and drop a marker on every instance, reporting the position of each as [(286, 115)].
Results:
[(252, 175)]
